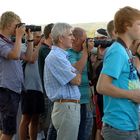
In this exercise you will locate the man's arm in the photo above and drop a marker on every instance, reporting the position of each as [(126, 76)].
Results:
[(27, 56), (105, 87), (79, 65), (16, 50), (76, 80)]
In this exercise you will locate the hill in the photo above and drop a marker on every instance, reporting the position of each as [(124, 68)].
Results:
[(91, 27)]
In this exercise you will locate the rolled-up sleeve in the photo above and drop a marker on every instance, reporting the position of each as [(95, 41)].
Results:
[(62, 70)]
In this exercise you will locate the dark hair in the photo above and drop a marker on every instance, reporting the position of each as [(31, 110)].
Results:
[(47, 30)]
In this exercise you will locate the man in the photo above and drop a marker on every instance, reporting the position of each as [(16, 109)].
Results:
[(45, 49), (11, 74), (32, 99), (43, 52), (61, 82), (78, 56), (119, 81)]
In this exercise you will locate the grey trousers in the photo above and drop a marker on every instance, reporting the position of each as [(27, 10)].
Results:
[(110, 133)]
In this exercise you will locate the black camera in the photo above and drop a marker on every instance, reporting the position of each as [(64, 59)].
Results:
[(33, 28), (104, 43)]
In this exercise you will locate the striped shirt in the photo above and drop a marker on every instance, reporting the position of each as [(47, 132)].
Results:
[(58, 72)]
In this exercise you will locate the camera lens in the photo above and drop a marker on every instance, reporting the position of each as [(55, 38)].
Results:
[(33, 28)]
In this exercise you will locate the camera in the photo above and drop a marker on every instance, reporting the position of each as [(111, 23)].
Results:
[(104, 43), (33, 28)]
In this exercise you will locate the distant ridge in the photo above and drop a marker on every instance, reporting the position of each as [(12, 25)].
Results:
[(91, 27)]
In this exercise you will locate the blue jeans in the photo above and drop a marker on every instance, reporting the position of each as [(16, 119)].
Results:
[(109, 132), (86, 123), (66, 120), (52, 133)]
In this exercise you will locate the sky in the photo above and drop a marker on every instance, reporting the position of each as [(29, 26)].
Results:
[(70, 11)]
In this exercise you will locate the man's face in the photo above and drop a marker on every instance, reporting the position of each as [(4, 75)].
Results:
[(78, 43), (67, 39), (37, 37), (134, 30)]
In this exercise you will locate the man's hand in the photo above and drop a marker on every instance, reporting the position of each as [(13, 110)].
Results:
[(90, 44), (20, 31), (135, 95)]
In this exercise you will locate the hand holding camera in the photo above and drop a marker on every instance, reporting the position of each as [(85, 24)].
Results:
[(20, 30), (29, 36), (85, 48), (89, 44)]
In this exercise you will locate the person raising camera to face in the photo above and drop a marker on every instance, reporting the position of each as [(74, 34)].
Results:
[(78, 56), (11, 79), (32, 99)]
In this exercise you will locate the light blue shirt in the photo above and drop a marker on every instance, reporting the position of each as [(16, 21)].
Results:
[(119, 112), (58, 72), (32, 77)]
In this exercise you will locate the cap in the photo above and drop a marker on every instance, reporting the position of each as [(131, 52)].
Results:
[(101, 33)]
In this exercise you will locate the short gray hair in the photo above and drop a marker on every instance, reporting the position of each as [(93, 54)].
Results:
[(58, 30)]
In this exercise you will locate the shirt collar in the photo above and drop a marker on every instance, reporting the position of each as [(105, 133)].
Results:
[(56, 48)]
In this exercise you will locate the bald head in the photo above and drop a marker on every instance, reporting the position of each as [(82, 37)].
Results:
[(79, 38), (78, 32)]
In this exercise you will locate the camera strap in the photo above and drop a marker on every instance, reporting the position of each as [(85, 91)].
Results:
[(6, 39), (131, 62)]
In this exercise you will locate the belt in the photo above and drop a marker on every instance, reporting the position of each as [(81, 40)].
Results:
[(67, 100)]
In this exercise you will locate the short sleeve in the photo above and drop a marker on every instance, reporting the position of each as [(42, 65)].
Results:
[(4, 49), (113, 63), (62, 70)]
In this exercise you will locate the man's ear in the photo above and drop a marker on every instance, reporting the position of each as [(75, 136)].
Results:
[(127, 26), (61, 39), (8, 25)]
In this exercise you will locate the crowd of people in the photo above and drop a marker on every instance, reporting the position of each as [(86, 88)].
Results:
[(69, 86)]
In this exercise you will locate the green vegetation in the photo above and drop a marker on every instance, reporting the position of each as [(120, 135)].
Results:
[(91, 27)]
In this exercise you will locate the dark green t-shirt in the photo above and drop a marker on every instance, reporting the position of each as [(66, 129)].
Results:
[(43, 52)]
